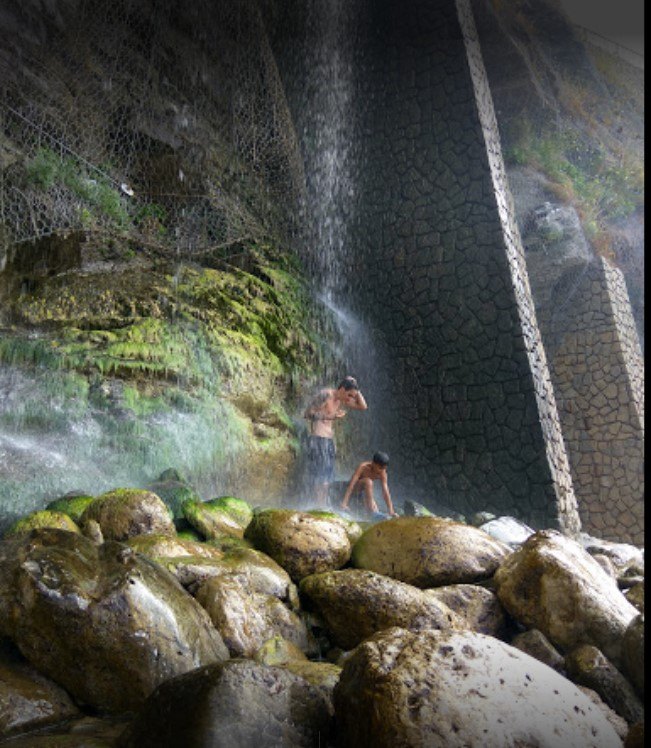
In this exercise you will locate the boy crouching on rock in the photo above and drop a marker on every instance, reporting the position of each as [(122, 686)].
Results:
[(361, 484)]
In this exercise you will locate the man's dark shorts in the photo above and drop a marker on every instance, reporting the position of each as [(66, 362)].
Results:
[(321, 459)]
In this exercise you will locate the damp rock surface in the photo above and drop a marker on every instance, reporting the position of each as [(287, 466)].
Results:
[(126, 512), (478, 608), (428, 551), (449, 689)]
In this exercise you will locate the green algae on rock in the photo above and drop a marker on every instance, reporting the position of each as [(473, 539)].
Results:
[(73, 506), (218, 517), (44, 518), (126, 512), (174, 493)]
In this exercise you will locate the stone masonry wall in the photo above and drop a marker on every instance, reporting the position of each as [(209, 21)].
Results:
[(464, 406), (597, 370)]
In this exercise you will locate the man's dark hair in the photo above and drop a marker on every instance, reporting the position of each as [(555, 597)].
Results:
[(381, 458), (348, 383)]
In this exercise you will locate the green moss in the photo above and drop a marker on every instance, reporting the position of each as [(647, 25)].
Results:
[(73, 506), (45, 518), (236, 508)]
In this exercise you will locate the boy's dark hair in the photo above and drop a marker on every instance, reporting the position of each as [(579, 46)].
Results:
[(381, 458), (348, 383)]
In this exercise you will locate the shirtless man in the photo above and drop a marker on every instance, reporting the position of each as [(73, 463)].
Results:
[(325, 409), (362, 482)]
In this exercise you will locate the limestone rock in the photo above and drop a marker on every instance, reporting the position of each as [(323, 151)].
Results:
[(126, 512), (428, 551), (633, 653), (246, 620), (42, 519), (218, 517), (235, 705), (478, 609), (587, 666), (450, 689), (356, 604), (536, 644), (105, 623), (300, 542), (553, 585), (28, 700)]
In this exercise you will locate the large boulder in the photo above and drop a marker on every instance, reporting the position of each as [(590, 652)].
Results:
[(301, 543), (167, 546), (356, 604), (73, 505), (104, 622), (508, 530), (28, 700), (428, 551), (246, 619), (225, 516), (235, 705), (536, 644), (633, 653), (449, 689), (174, 493), (477, 608), (126, 512), (44, 518), (551, 583)]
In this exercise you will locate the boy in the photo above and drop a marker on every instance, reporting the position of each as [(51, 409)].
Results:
[(362, 482)]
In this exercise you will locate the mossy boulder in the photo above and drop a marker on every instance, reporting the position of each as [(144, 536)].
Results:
[(103, 622), (477, 607), (44, 518), (238, 703), (155, 546), (216, 518), (449, 689), (174, 494), (428, 551), (126, 512), (246, 619), (353, 529), (230, 543), (355, 604), (73, 506), (301, 543), (551, 583), (278, 651)]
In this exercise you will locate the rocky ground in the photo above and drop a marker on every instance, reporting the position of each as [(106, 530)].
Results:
[(153, 618)]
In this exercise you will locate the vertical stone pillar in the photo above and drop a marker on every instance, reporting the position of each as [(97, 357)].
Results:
[(597, 370)]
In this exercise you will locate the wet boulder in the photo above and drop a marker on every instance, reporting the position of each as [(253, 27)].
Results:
[(28, 700), (238, 704), (355, 604), (278, 651), (536, 644), (225, 516), (507, 530), (73, 505), (301, 543), (633, 653), (477, 608), (353, 528), (551, 583), (104, 622), (246, 619), (428, 551), (126, 512), (450, 689), (155, 546), (174, 494), (43, 519)]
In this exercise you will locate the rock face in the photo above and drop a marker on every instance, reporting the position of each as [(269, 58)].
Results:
[(428, 551), (454, 689), (553, 585), (104, 623), (27, 699), (356, 604), (235, 705), (126, 512), (301, 543)]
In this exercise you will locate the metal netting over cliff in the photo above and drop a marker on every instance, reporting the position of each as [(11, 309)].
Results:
[(156, 120)]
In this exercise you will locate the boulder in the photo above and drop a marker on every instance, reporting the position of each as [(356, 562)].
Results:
[(28, 700), (355, 604), (552, 584), (86, 732), (449, 689), (536, 644), (72, 505), (428, 551), (155, 546), (633, 653), (278, 651), (103, 622), (477, 608), (238, 704), (587, 666), (174, 493), (623, 555), (301, 543), (225, 516), (507, 530), (635, 596), (635, 737), (126, 512), (42, 519), (322, 675), (353, 528), (619, 724), (246, 619)]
